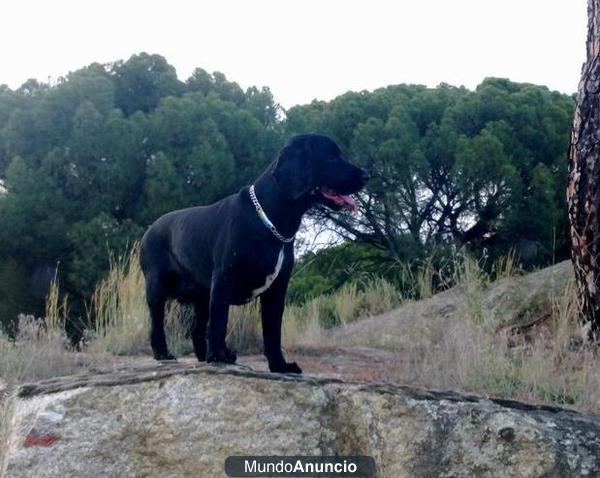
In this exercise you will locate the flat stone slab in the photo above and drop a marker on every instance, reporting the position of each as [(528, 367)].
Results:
[(184, 420)]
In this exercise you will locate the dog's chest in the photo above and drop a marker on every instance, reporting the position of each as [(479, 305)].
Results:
[(270, 278)]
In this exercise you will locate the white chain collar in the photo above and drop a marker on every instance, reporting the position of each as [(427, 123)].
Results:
[(265, 219)]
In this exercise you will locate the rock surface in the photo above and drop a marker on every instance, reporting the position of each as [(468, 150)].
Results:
[(513, 302), (183, 420)]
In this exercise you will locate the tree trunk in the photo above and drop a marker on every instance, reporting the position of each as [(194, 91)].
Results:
[(583, 192)]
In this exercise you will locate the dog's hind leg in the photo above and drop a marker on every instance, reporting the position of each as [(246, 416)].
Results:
[(199, 327), (156, 298)]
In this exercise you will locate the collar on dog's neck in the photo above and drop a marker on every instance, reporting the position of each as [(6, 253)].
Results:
[(265, 219)]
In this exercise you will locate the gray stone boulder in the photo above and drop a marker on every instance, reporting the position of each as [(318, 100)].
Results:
[(507, 303), (183, 420)]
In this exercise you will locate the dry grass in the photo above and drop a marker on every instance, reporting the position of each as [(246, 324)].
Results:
[(244, 333), (351, 302), (41, 348), (57, 309), (306, 325), (38, 352), (544, 363), (118, 309), (121, 315)]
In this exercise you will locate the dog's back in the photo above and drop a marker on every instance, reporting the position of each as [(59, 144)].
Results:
[(183, 237)]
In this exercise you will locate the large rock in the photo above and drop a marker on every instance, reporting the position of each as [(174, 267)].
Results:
[(511, 302), (516, 301), (183, 421), (5, 412)]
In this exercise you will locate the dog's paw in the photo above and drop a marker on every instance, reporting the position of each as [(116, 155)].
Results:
[(222, 355), (285, 367), (200, 355), (165, 356)]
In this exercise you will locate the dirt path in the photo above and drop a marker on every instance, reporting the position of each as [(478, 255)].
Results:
[(355, 364)]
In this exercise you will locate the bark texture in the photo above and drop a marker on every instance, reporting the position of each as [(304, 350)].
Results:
[(583, 192)]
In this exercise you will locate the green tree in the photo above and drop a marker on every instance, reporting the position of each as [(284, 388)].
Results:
[(91, 159), (450, 165), (142, 81), (163, 190), (92, 242)]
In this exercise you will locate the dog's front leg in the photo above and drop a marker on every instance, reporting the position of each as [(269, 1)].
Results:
[(217, 325), (201, 314), (272, 303)]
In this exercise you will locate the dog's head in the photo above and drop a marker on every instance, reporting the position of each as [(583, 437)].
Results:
[(311, 166)]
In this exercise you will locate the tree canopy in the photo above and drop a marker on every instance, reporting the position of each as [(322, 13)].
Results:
[(88, 161), (482, 168)]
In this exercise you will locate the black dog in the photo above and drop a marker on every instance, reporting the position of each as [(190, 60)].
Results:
[(242, 247)]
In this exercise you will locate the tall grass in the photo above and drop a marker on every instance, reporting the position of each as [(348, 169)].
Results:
[(120, 314), (39, 349), (244, 332), (545, 363), (506, 267), (305, 324), (118, 308), (466, 351), (57, 308), (38, 352)]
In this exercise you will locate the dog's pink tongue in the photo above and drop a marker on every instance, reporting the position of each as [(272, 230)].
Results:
[(349, 202), (344, 200)]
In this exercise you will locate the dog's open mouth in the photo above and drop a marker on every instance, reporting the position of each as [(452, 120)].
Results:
[(342, 200)]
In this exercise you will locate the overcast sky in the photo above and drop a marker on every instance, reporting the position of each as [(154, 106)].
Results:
[(304, 49)]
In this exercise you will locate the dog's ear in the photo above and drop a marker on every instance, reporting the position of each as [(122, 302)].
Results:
[(294, 170)]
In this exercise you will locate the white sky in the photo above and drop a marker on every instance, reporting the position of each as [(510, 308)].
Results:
[(304, 49)]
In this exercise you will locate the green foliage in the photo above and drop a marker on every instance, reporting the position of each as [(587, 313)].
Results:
[(450, 165), (92, 243), (90, 160), (33, 216), (362, 265), (142, 81), (12, 295), (322, 273), (163, 189)]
